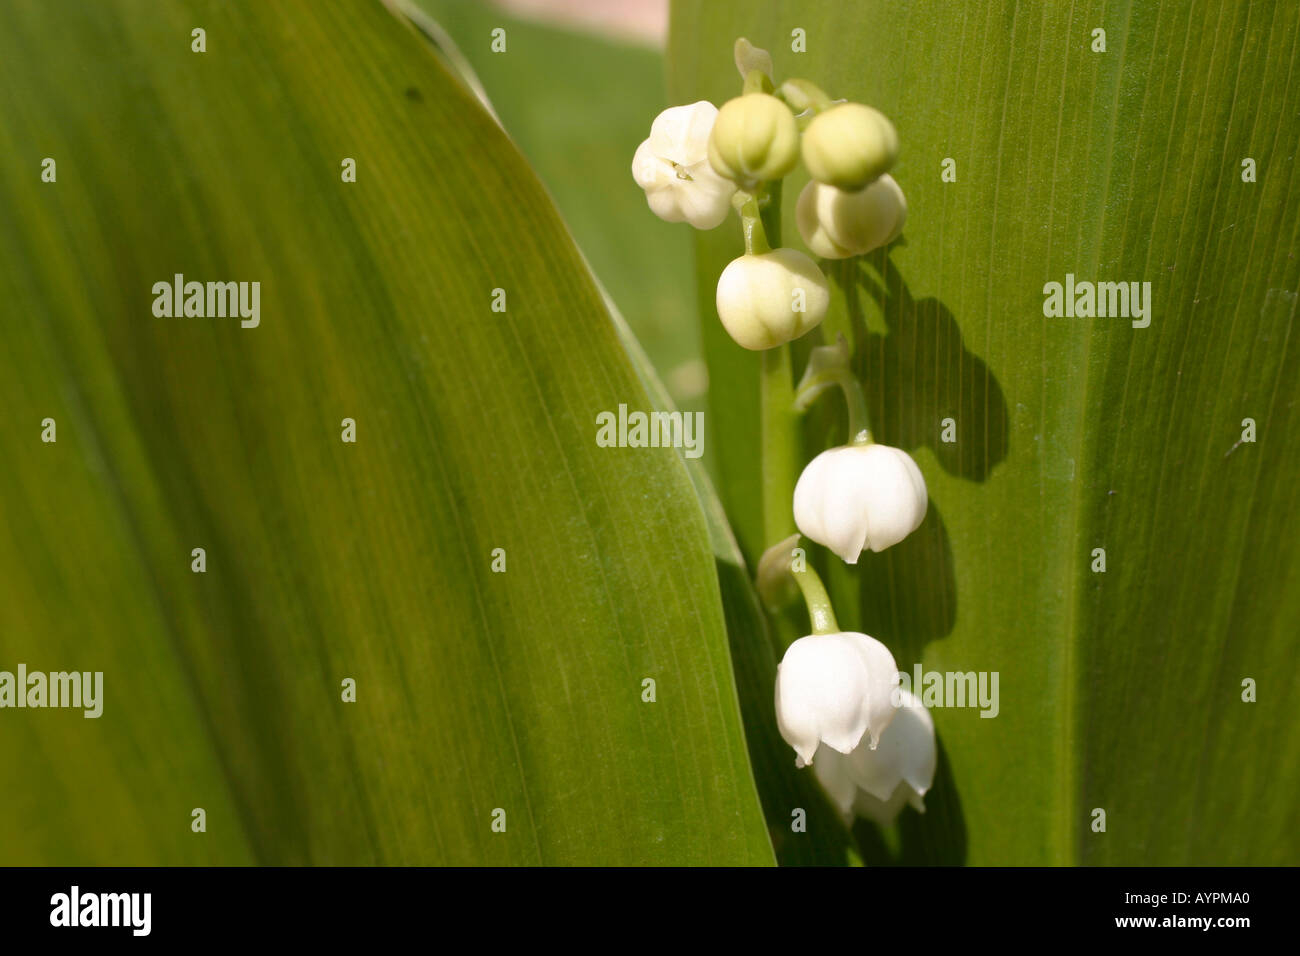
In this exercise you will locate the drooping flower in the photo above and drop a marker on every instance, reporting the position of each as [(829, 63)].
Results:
[(754, 139), (672, 166), (832, 689), (857, 497), (878, 783), (837, 224), (849, 146), (770, 298)]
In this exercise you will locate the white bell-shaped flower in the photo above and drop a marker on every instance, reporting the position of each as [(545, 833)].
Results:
[(832, 689), (672, 166), (770, 298), (857, 497), (878, 783), (837, 224)]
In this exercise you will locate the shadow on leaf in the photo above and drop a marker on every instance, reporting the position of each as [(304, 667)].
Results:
[(923, 386)]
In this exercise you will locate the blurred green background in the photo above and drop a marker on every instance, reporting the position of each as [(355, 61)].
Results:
[(578, 104)]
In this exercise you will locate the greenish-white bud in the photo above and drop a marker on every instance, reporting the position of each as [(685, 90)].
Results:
[(836, 224), (849, 146), (772, 298), (754, 138)]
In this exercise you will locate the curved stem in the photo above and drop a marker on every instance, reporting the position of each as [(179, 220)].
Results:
[(802, 95), (859, 419), (820, 612), (827, 368)]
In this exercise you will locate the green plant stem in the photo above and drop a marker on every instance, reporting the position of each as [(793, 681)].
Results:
[(779, 420), (780, 444), (780, 423), (859, 419), (769, 206), (756, 81), (823, 374), (751, 224), (801, 95), (820, 611)]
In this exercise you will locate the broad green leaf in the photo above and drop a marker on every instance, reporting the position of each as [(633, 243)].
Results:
[(1120, 691), (475, 429)]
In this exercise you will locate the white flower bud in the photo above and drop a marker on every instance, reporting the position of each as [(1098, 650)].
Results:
[(860, 496), (672, 166), (876, 784), (768, 299), (836, 224), (849, 145), (754, 139), (832, 689)]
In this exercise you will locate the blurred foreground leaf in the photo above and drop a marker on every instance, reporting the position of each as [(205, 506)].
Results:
[(476, 691)]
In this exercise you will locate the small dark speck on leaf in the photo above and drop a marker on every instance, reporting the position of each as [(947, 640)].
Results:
[(414, 95)]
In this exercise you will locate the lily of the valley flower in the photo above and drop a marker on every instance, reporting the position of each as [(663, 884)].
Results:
[(837, 224), (770, 298), (672, 166), (832, 689), (878, 783), (860, 496), (754, 139), (849, 146)]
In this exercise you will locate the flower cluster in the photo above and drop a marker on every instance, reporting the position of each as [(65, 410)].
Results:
[(838, 704), (700, 160)]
